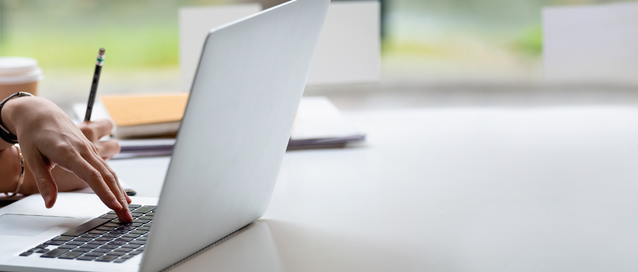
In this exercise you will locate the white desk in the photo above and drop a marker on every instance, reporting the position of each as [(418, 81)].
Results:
[(550, 189)]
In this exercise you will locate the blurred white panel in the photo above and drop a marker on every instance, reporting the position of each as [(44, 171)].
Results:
[(591, 44), (348, 50), (194, 25)]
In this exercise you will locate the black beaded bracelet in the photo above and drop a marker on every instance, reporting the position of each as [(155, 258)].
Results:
[(5, 134)]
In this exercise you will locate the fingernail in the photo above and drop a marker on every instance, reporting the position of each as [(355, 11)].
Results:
[(47, 199), (46, 194)]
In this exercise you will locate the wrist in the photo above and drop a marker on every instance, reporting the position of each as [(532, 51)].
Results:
[(15, 109)]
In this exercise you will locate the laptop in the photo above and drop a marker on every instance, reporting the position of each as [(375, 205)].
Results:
[(231, 142)]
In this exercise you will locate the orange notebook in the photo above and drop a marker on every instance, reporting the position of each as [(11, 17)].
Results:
[(145, 115)]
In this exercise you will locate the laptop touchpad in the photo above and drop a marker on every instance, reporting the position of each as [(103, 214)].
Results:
[(29, 225)]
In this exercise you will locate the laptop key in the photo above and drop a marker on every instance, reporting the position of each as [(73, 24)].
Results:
[(134, 214), (133, 253), (109, 216), (42, 250), (137, 242), (123, 249), (86, 258), (26, 253), (62, 238), (131, 245), (81, 249), (54, 253), (144, 209), (117, 221), (89, 246), (93, 254), (109, 246), (120, 260), (107, 258), (117, 253), (81, 229), (70, 255), (134, 206), (104, 228), (55, 243), (67, 246)]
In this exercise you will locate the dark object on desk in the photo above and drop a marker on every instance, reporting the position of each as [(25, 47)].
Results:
[(130, 192), (164, 147), (338, 142), (7, 200)]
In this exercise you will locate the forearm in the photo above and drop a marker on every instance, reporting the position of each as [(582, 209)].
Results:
[(9, 169)]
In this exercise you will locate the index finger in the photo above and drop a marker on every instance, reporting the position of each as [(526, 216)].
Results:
[(89, 167)]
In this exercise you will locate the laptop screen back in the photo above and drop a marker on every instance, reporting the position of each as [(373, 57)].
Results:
[(234, 133)]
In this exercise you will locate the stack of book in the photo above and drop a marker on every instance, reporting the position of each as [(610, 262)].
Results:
[(146, 125)]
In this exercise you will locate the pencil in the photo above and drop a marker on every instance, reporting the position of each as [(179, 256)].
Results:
[(96, 79)]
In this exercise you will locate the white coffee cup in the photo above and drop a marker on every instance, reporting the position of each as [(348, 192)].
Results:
[(19, 74)]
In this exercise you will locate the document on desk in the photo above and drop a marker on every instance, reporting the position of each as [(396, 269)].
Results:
[(319, 124)]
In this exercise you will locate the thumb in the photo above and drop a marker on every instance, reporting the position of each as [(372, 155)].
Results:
[(41, 170)]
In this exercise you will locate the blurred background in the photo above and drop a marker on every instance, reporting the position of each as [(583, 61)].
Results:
[(434, 52)]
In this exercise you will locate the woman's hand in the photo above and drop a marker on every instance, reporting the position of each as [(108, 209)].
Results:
[(97, 129), (48, 137), (67, 181)]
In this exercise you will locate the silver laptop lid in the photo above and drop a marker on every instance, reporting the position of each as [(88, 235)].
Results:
[(234, 133)]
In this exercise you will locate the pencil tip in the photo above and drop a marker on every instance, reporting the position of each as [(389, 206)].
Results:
[(101, 50)]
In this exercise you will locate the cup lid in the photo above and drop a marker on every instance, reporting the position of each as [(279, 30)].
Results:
[(15, 70)]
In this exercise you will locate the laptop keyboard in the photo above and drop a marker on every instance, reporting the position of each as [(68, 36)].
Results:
[(103, 239)]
